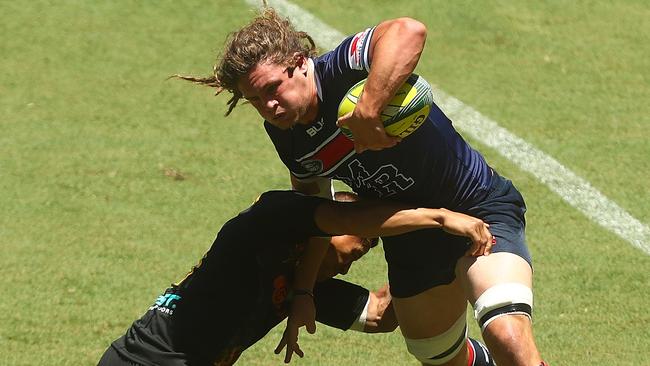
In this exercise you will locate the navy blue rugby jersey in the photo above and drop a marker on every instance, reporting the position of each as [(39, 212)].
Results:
[(433, 166)]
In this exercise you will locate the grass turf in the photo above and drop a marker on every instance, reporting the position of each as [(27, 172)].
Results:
[(114, 181)]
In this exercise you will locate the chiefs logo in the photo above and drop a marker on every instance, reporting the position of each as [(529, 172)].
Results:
[(280, 292)]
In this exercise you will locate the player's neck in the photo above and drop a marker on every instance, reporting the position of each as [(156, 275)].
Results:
[(312, 109)]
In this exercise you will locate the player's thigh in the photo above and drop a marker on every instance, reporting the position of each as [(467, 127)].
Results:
[(477, 274), (427, 299), (431, 312), (510, 261), (422, 260), (499, 287)]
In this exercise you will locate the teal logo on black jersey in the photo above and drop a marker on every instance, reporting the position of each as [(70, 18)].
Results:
[(166, 303)]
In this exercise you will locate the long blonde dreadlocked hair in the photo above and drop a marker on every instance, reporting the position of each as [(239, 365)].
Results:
[(267, 38)]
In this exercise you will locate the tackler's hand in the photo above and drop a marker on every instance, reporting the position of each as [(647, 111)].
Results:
[(303, 313), (480, 238)]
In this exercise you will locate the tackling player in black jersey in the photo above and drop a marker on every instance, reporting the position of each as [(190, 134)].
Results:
[(241, 287)]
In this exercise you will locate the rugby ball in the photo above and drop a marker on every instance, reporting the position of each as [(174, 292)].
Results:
[(405, 112)]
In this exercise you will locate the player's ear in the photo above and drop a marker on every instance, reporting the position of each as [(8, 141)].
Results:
[(296, 63), (300, 62)]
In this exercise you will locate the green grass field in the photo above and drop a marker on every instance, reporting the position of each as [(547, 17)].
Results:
[(114, 181)]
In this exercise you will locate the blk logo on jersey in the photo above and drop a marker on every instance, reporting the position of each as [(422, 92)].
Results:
[(313, 130)]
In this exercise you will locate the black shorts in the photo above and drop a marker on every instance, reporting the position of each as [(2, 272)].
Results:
[(423, 259), (112, 358)]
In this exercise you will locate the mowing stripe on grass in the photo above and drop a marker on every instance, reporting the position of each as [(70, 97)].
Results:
[(572, 188)]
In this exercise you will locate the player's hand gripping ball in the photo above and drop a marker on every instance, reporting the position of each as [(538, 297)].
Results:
[(405, 112)]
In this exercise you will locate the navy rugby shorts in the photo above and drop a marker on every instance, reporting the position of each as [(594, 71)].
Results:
[(423, 259)]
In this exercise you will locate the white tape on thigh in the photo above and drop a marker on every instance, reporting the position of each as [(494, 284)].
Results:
[(511, 298), (441, 348)]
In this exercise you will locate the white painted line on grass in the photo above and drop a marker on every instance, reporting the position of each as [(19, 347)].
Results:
[(572, 188)]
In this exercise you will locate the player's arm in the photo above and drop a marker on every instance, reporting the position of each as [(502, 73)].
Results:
[(310, 260), (316, 186), (380, 316), (375, 218), (307, 269), (344, 305), (395, 49), (303, 310)]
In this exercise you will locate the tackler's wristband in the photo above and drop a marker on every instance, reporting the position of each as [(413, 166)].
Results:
[(303, 291), (360, 323)]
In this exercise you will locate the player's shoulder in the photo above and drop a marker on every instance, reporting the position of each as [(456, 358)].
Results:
[(282, 199), (278, 209), (336, 71), (267, 204), (351, 54), (275, 195)]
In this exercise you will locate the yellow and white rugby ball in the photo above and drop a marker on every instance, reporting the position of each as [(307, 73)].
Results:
[(405, 112)]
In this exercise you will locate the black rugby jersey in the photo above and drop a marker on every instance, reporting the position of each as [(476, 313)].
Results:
[(238, 291), (432, 166)]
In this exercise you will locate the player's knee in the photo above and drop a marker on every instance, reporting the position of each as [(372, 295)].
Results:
[(442, 348), (508, 331), (503, 299), (512, 339)]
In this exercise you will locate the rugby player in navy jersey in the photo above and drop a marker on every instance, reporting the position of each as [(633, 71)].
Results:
[(275, 68), (240, 289)]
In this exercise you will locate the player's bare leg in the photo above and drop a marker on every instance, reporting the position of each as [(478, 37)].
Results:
[(509, 337), (426, 316)]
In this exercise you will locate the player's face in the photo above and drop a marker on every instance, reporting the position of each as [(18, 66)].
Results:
[(343, 251), (282, 95)]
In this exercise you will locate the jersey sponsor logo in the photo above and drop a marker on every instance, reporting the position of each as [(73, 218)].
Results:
[(356, 52), (166, 303), (385, 181), (313, 130)]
